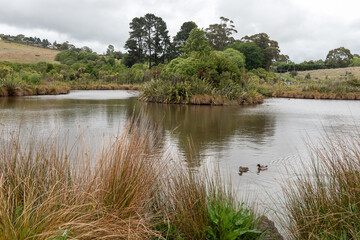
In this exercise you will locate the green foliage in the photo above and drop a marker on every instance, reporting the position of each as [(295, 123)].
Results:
[(253, 54), (212, 68), (196, 45), (219, 34), (184, 33), (266, 76), (234, 56), (293, 73), (184, 67), (4, 71), (166, 92), (70, 57), (355, 62), (354, 82), (270, 48), (12, 82), (308, 76), (33, 78), (228, 223), (149, 39), (339, 57)]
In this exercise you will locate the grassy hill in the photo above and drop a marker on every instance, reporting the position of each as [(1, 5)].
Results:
[(15, 52), (333, 74)]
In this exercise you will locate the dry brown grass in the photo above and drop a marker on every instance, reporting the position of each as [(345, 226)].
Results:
[(131, 190), (333, 74), (45, 186), (15, 52)]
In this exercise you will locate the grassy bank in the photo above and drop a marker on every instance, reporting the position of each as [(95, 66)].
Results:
[(304, 85), (21, 53), (132, 190)]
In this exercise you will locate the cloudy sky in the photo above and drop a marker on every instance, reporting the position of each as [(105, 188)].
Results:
[(305, 29)]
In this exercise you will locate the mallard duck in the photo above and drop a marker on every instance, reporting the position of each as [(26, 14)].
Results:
[(243, 169), (262, 167)]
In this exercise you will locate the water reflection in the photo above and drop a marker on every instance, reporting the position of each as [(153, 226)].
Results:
[(207, 127), (270, 134)]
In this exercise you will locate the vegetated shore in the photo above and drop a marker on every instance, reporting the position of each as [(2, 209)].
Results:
[(59, 89), (193, 100), (132, 190), (316, 95)]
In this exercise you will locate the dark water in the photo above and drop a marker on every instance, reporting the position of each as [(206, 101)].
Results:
[(274, 133)]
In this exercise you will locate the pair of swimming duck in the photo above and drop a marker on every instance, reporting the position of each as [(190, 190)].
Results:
[(259, 168)]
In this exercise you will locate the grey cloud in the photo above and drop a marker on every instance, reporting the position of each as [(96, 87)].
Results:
[(304, 29)]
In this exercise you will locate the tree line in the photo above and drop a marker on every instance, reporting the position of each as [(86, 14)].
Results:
[(336, 58), (149, 42)]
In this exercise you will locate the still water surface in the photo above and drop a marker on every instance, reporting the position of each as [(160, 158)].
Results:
[(274, 133)]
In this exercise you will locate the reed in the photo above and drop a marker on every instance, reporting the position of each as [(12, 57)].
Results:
[(324, 202)]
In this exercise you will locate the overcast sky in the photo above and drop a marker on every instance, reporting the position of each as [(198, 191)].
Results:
[(304, 29)]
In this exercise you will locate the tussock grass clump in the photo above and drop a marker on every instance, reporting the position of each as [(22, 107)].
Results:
[(198, 92), (38, 190), (131, 190), (324, 203), (47, 191)]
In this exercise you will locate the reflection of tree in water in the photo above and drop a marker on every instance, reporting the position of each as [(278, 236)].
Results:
[(206, 126)]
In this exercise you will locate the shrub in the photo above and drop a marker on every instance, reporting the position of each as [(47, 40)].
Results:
[(4, 71), (293, 73), (33, 78)]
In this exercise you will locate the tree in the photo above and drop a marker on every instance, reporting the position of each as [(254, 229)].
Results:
[(134, 54), (196, 44), (45, 43), (284, 58), (253, 55), (184, 33), (64, 46), (135, 43), (86, 49), (339, 57), (110, 50), (355, 62), (148, 39), (269, 48), (219, 34)]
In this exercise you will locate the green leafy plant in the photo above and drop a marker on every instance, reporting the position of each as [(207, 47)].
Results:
[(227, 222)]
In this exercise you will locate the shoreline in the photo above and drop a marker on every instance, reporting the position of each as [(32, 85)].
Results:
[(194, 100), (59, 89), (315, 95)]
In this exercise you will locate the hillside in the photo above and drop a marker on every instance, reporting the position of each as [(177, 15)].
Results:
[(333, 74), (14, 52)]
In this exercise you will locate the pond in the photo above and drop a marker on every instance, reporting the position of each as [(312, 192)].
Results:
[(275, 133)]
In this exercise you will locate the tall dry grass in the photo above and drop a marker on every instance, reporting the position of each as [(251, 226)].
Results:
[(131, 190), (324, 202), (48, 190)]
